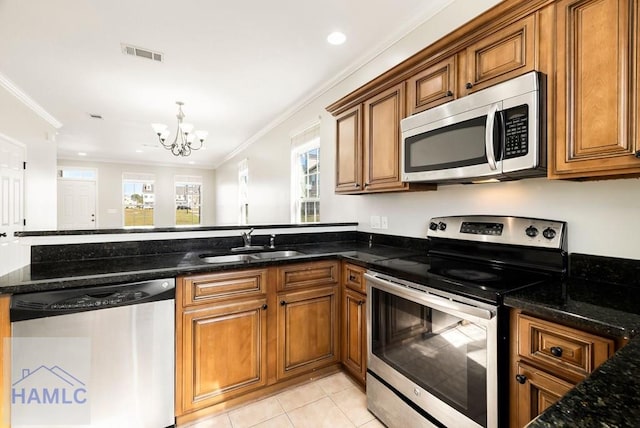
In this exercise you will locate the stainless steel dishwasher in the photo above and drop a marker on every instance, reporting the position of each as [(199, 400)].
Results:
[(129, 331)]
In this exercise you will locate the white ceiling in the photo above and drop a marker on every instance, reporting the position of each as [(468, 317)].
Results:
[(237, 65)]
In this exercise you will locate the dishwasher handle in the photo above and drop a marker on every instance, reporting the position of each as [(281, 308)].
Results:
[(68, 301)]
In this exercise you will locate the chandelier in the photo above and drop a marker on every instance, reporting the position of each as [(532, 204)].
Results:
[(185, 140)]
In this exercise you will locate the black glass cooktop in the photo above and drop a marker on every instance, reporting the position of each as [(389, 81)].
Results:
[(480, 280)]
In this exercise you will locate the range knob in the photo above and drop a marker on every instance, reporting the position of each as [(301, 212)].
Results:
[(531, 232), (549, 233), (442, 226), (433, 226)]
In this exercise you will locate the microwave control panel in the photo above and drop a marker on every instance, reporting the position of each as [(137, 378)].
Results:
[(516, 128)]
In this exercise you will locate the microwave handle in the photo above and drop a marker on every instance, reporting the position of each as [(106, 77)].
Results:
[(488, 136)]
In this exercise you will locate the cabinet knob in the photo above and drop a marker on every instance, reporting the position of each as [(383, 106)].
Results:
[(264, 307), (366, 185), (360, 302), (282, 303), (356, 185), (449, 94), (521, 379), (556, 351), (469, 85), (352, 278), (637, 154)]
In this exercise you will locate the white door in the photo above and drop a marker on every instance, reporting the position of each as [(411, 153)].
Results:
[(12, 156), (76, 204)]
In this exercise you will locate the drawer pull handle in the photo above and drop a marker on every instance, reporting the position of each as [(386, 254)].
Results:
[(264, 307), (556, 351), (282, 303), (521, 379)]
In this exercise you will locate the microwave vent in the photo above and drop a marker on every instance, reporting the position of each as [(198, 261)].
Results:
[(142, 52)]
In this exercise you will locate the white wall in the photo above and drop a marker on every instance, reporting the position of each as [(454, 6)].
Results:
[(23, 125), (109, 191), (602, 215)]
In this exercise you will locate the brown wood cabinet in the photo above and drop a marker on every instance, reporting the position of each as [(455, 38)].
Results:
[(547, 360), (220, 337), (240, 331), (354, 321), (433, 86), (501, 55), (368, 145), (354, 334), (307, 330), (597, 89)]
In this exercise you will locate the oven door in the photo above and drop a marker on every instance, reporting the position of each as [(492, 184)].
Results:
[(433, 349)]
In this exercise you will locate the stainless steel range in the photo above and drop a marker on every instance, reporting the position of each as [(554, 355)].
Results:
[(437, 347)]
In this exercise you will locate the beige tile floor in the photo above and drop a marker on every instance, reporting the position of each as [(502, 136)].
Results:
[(333, 402)]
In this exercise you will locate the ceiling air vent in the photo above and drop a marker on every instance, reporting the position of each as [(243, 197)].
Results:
[(141, 52)]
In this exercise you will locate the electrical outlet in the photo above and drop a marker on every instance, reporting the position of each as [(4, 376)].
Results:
[(384, 222), (375, 222)]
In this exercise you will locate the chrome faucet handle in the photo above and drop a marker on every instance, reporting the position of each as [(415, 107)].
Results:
[(272, 241), (246, 237)]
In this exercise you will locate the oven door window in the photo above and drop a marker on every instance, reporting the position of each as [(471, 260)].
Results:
[(443, 354)]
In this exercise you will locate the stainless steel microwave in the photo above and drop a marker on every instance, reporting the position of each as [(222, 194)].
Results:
[(495, 133)]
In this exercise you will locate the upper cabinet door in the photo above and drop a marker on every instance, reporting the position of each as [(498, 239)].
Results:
[(348, 151), (431, 87), (382, 115), (502, 55), (597, 88)]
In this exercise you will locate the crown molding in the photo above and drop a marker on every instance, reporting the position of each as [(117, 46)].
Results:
[(28, 101)]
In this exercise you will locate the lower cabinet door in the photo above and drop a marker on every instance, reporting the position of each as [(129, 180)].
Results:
[(223, 352), (354, 348), (307, 331), (537, 390)]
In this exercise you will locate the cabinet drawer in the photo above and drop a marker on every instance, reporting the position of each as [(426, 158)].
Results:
[(308, 274), (572, 351), (353, 277), (224, 285)]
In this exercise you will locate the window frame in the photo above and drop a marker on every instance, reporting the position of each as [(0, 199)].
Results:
[(143, 179), (187, 180), (296, 198)]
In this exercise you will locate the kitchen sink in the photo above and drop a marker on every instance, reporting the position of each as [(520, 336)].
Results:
[(265, 255), (232, 258), (276, 254)]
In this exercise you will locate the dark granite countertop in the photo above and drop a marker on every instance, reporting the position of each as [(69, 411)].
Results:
[(112, 270), (610, 396)]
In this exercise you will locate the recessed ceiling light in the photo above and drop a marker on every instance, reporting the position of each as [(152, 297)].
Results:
[(82, 154), (336, 38)]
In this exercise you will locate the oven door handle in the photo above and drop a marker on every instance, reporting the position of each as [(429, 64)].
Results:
[(433, 301), (488, 136)]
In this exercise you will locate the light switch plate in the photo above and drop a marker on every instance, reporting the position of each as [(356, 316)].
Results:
[(375, 222), (384, 222)]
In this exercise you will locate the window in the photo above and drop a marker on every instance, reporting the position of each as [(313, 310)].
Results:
[(188, 200), (243, 191), (138, 199), (77, 173), (305, 174)]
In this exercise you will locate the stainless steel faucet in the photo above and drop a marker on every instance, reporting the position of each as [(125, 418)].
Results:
[(246, 237)]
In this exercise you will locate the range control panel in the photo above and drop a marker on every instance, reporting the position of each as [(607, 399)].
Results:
[(531, 232)]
